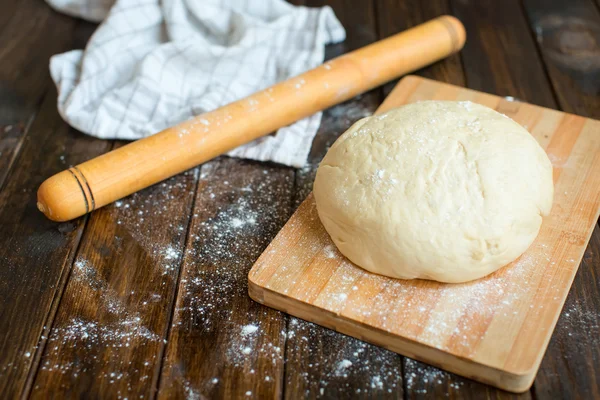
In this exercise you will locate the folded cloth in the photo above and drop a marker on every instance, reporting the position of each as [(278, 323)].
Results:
[(154, 63)]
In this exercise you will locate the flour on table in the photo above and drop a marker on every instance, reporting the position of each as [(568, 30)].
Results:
[(249, 329), (420, 377), (342, 366)]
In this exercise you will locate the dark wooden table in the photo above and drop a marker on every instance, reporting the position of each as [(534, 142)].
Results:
[(148, 297)]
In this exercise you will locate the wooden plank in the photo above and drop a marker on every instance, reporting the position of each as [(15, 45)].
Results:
[(568, 35), (494, 329), (221, 344), (11, 139), (428, 382), (24, 73), (394, 16), (500, 55), (24, 77), (319, 361), (108, 336), (324, 363), (35, 253)]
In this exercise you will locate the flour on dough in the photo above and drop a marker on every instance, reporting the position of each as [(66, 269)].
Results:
[(448, 191)]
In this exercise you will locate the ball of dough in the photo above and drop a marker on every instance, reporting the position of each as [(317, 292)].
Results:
[(440, 190)]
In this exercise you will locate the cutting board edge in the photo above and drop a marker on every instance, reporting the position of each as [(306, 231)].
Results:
[(515, 382), (510, 379)]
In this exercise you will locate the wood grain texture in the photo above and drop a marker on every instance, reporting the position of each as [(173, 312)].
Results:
[(397, 15), (221, 344), (500, 55), (11, 139), (495, 329), (24, 77), (425, 381), (108, 336), (24, 73), (35, 254), (568, 35), (322, 363)]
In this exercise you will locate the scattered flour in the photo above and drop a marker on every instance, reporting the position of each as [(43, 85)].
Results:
[(420, 378), (336, 366), (342, 366), (171, 254), (249, 329), (330, 252)]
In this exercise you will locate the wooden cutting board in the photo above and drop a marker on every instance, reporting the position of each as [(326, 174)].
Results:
[(494, 330)]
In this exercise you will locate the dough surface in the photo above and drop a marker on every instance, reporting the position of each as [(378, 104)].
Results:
[(440, 190)]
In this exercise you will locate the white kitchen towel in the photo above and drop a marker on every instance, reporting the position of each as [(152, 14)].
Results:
[(154, 63)]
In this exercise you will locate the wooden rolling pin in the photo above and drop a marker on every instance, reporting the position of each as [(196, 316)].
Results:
[(109, 177)]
